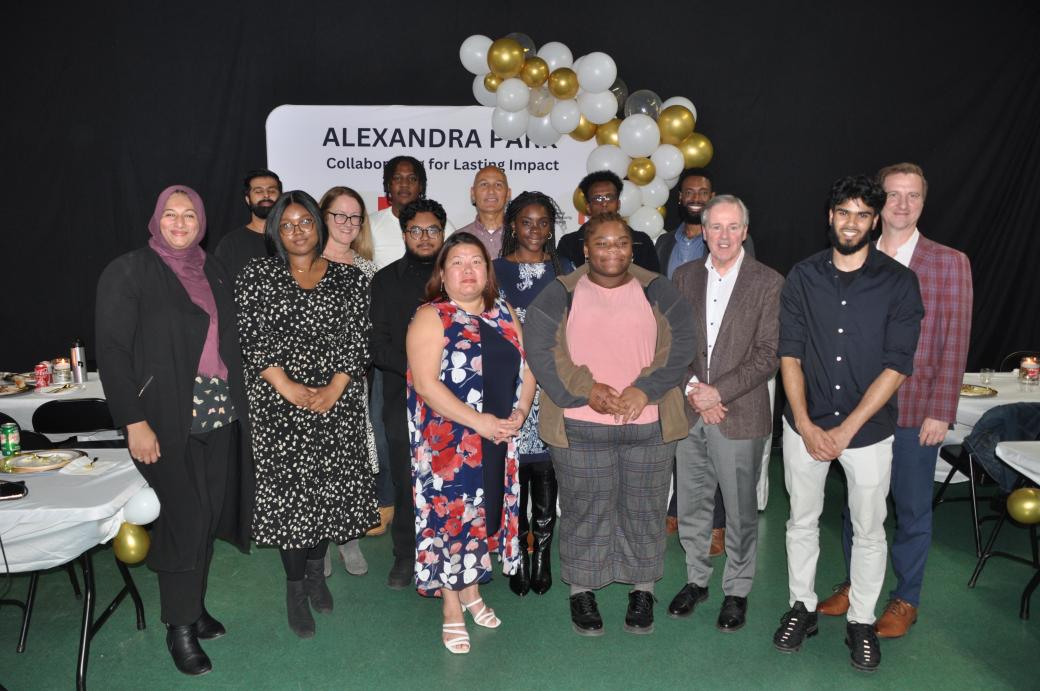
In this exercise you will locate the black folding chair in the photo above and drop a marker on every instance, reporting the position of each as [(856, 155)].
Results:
[(31, 441), (80, 416), (962, 462)]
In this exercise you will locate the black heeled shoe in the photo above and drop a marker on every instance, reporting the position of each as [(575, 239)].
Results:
[(187, 654), (520, 582), (207, 628), (543, 518)]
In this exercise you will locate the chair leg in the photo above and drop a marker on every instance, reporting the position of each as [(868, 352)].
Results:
[(938, 499), (1023, 610), (30, 599), (75, 581), (988, 550), (976, 529)]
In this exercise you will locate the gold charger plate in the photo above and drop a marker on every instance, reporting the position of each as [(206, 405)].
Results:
[(10, 389), (976, 391), (39, 461)]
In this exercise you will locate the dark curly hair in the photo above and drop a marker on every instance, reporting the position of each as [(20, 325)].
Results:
[(510, 243), (857, 187)]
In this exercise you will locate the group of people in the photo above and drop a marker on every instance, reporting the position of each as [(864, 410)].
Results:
[(330, 374)]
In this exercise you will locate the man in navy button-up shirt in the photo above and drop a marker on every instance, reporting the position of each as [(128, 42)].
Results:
[(849, 322)]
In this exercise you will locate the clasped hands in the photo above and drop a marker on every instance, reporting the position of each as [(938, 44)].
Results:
[(706, 400), (498, 430), (625, 406), (318, 399)]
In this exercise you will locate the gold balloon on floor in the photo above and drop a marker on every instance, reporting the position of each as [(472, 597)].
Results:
[(641, 171), (584, 131), (608, 132), (1024, 505), (696, 150), (579, 201), (563, 83), (505, 57), (131, 543), (535, 72), (492, 82), (676, 124)]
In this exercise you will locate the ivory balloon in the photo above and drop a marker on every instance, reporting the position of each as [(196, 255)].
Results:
[(608, 157), (565, 116), (143, 507), (676, 123), (696, 150), (131, 543), (681, 101), (580, 204), (1024, 505), (654, 193), (556, 55), (641, 171), (525, 41), (669, 162), (512, 95), (584, 131), (638, 136), (597, 107), (482, 94), (608, 132), (643, 101), (505, 58), (541, 132), (629, 200), (473, 53), (670, 182), (509, 125), (563, 83), (597, 72), (541, 102), (492, 81), (648, 220), (535, 72)]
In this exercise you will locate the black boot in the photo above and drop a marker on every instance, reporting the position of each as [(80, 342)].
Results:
[(543, 518), (300, 619), (317, 590), (188, 655), (520, 582), (208, 628)]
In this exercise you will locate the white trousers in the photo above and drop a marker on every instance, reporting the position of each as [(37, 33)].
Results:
[(867, 470)]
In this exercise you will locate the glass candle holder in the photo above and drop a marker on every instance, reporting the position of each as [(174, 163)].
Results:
[(1029, 371)]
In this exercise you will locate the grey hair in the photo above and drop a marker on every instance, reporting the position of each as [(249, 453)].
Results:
[(724, 199)]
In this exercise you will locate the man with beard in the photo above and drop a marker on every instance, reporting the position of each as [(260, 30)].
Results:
[(397, 290), (404, 181), (489, 194), (850, 317), (262, 189)]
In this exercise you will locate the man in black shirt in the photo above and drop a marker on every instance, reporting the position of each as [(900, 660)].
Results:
[(397, 291), (262, 189), (850, 317)]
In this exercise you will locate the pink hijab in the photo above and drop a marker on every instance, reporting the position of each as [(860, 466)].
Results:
[(188, 265)]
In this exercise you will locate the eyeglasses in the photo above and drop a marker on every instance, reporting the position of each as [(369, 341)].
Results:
[(691, 193), (353, 219), (416, 232), (304, 226), (603, 198)]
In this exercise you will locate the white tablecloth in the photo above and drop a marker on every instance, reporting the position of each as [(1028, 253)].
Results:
[(22, 406), (65, 515), (1023, 456)]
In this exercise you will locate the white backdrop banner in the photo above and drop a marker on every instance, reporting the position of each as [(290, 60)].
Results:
[(314, 148)]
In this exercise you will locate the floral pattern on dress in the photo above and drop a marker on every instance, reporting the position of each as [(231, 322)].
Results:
[(453, 549)]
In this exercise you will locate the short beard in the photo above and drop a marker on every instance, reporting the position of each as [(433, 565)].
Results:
[(260, 212), (848, 249), (419, 258), (688, 218)]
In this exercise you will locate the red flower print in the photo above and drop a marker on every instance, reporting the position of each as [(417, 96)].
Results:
[(438, 434), (453, 526)]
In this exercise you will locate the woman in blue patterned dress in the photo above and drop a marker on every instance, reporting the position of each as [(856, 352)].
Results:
[(529, 263), (469, 391)]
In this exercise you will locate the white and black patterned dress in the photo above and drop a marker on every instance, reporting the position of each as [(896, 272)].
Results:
[(313, 480)]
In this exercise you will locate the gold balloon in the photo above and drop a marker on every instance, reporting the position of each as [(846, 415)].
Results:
[(584, 131), (535, 72), (608, 132), (1024, 505), (492, 82), (676, 124), (696, 150), (505, 57), (663, 211), (579, 201), (563, 83), (641, 171), (131, 543)]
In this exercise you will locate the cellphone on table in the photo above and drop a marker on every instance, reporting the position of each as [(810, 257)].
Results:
[(12, 490)]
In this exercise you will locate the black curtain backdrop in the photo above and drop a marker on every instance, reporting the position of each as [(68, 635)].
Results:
[(108, 103)]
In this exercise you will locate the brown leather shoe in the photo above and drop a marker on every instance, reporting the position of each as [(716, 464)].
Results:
[(837, 604), (718, 542), (386, 514), (671, 525), (897, 619)]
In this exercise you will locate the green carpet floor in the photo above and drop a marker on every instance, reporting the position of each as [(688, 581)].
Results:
[(381, 639)]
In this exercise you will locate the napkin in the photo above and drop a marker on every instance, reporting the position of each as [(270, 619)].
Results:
[(82, 466)]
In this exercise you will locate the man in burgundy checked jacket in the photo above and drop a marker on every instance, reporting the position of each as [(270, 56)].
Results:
[(927, 400)]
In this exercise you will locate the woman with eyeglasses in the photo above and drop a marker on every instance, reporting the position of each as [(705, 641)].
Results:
[(304, 327), (529, 262)]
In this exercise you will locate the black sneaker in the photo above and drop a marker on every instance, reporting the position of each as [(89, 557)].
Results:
[(585, 616), (639, 618), (864, 645), (796, 625)]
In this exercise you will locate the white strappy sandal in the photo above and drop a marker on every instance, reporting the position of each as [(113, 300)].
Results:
[(485, 617), (458, 641)]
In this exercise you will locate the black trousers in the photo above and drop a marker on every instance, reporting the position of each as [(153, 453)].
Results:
[(402, 528), (182, 593)]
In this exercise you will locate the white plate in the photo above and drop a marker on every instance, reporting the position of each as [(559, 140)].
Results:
[(60, 389), (38, 461)]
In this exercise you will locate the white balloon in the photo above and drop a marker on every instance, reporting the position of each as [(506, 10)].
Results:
[(513, 95), (541, 101), (480, 92), (541, 132), (670, 182), (668, 162), (648, 220), (654, 194), (509, 125), (597, 72), (143, 507), (608, 157), (556, 55), (599, 107), (565, 116), (638, 135), (473, 54), (576, 64), (681, 101), (630, 199)]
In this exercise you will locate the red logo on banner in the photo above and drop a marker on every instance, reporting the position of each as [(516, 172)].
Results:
[(382, 202)]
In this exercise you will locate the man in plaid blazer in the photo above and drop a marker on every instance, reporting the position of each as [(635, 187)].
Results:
[(927, 400)]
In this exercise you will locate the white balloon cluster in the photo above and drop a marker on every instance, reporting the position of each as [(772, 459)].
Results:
[(546, 93), (143, 507)]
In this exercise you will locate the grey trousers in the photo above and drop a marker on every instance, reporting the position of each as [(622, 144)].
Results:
[(706, 459), (614, 482)]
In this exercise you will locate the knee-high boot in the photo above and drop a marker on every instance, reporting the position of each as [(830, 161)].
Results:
[(520, 582), (543, 518)]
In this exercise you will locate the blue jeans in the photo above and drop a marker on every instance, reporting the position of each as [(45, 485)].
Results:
[(384, 484)]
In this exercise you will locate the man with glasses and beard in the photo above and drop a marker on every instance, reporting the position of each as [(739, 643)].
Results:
[(262, 189), (850, 317)]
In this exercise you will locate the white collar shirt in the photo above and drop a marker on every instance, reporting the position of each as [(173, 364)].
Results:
[(905, 252), (716, 300)]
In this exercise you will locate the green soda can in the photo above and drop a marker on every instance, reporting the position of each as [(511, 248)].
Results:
[(10, 439)]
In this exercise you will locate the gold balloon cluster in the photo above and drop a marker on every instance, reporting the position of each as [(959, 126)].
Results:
[(131, 543), (1024, 505)]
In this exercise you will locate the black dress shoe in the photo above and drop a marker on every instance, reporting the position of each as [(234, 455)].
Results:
[(400, 574), (188, 656), (796, 625), (863, 643), (733, 613), (639, 618), (585, 616), (207, 628), (689, 597)]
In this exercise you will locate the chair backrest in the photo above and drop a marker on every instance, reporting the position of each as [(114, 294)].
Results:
[(1011, 360), (30, 440), (77, 416)]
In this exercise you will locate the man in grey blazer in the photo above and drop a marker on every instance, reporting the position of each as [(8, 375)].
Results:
[(735, 301)]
